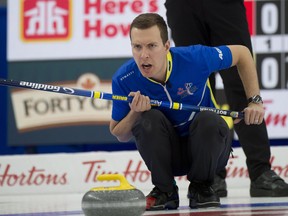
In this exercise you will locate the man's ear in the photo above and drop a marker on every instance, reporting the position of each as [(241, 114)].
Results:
[(167, 45)]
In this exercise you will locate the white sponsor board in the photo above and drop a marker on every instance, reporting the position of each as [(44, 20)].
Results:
[(69, 29), (86, 29), (276, 111), (77, 172), (276, 116)]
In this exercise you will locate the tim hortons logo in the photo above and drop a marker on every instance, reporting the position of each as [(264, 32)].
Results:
[(274, 118), (45, 19), (136, 170), (31, 177)]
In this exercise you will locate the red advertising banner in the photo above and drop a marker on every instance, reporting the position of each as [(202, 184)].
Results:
[(46, 20)]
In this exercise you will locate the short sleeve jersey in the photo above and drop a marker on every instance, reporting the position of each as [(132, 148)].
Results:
[(189, 69)]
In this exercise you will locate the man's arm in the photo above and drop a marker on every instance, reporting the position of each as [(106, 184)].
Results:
[(242, 58), (123, 129)]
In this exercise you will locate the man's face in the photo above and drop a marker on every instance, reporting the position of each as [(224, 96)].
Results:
[(149, 52)]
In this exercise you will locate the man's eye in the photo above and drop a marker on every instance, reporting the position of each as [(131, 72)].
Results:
[(137, 47), (152, 45)]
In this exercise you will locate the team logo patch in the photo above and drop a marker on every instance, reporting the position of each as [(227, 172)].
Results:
[(188, 90), (46, 19)]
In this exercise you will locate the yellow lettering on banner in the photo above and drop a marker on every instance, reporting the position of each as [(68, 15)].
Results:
[(176, 106), (97, 94), (117, 97)]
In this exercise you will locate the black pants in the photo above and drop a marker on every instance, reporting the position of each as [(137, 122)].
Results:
[(199, 155), (223, 22)]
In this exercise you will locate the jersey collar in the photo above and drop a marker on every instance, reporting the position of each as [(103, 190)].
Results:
[(169, 68)]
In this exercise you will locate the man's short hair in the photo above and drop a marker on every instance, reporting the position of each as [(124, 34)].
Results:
[(148, 20)]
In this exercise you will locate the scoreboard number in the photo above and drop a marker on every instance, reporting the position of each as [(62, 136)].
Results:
[(269, 18), (269, 73), (269, 45)]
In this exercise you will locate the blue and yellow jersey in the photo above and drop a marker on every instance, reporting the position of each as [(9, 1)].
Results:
[(186, 82)]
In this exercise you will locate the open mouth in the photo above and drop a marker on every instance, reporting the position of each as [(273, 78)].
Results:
[(146, 66)]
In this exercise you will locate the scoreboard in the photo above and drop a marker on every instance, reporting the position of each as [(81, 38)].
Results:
[(268, 24)]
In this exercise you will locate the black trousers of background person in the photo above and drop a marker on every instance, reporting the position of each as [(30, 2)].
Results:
[(199, 155), (214, 23)]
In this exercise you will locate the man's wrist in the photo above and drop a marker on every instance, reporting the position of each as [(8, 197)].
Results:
[(257, 99)]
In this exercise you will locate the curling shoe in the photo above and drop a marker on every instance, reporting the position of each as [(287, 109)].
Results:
[(158, 200), (202, 195), (220, 186), (269, 184)]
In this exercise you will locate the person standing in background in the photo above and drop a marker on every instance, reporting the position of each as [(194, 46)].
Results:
[(214, 23)]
